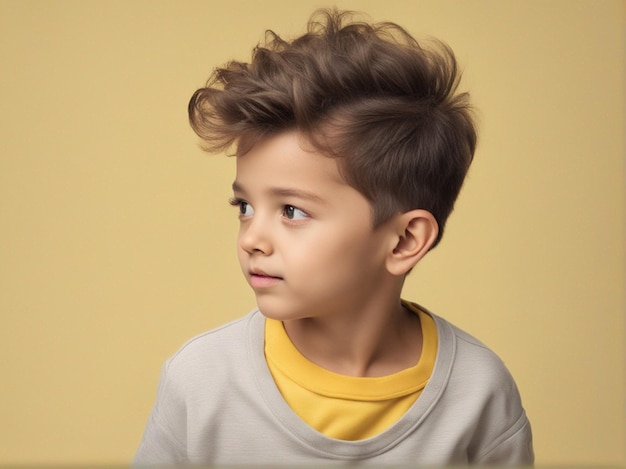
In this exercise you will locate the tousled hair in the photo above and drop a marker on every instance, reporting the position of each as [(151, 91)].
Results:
[(368, 94)]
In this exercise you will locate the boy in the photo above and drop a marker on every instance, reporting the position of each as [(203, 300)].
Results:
[(351, 148)]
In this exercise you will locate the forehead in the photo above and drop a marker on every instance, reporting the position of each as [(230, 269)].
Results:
[(288, 160)]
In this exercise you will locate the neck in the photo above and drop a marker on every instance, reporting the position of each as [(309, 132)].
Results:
[(376, 339)]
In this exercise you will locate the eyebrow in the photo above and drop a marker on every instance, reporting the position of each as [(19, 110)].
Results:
[(284, 192)]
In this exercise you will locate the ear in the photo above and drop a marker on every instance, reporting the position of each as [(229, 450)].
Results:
[(415, 233)]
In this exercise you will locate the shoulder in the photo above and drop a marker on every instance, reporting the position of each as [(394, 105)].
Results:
[(470, 359), (196, 385), (482, 395), (220, 336), (212, 353)]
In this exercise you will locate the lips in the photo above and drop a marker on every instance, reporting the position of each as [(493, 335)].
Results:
[(260, 279)]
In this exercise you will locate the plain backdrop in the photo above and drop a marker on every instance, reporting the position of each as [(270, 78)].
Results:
[(117, 243)]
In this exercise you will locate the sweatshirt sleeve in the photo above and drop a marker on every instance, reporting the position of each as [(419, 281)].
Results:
[(514, 447), (502, 432), (499, 429), (159, 444)]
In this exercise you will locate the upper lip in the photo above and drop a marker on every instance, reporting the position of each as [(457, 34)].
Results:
[(262, 273)]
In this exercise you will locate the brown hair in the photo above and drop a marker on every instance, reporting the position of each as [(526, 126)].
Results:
[(369, 94)]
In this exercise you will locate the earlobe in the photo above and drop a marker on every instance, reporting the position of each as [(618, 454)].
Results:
[(416, 232)]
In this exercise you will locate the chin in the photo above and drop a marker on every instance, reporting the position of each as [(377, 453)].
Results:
[(280, 313)]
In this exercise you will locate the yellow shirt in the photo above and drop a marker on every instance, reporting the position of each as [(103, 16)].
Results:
[(347, 407)]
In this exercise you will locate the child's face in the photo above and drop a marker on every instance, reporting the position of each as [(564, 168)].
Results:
[(306, 243)]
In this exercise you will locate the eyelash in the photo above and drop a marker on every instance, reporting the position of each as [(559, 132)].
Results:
[(234, 201), (237, 202)]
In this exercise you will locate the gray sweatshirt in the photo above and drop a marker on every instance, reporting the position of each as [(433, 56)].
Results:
[(217, 404)]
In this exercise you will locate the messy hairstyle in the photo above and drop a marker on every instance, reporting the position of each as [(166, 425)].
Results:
[(367, 94)]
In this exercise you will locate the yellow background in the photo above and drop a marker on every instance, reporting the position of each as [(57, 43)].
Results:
[(117, 244)]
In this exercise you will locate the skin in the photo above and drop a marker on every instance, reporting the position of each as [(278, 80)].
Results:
[(307, 247)]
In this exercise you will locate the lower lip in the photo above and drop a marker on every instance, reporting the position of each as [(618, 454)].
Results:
[(263, 281)]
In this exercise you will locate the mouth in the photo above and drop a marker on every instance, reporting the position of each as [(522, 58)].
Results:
[(260, 279)]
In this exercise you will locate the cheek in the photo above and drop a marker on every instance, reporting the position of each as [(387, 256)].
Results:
[(241, 254), (331, 251)]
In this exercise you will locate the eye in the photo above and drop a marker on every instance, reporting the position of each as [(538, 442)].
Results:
[(245, 209), (293, 213)]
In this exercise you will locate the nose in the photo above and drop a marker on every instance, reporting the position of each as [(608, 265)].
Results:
[(255, 237)]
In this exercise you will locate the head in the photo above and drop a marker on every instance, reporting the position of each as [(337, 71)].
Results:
[(368, 95)]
